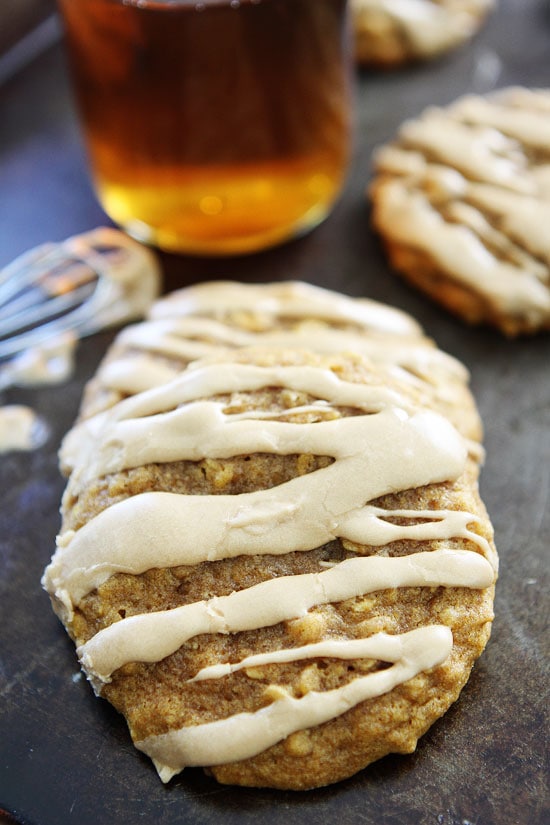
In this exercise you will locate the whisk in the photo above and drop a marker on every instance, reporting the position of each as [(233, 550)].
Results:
[(84, 284)]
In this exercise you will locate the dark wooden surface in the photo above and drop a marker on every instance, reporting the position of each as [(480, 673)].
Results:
[(66, 757), (19, 17)]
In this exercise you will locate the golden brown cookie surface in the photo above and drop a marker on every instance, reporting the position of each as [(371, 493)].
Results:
[(277, 564), (461, 199), (389, 33)]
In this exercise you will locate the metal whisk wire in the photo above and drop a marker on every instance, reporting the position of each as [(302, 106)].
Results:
[(37, 295), (81, 285)]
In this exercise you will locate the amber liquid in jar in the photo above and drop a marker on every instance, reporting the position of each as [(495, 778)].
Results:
[(213, 127)]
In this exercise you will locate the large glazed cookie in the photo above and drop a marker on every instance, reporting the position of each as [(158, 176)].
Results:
[(275, 564), (390, 33), (461, 199)]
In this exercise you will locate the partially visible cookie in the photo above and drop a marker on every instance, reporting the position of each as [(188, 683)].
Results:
[(461, 199), (389, 33)]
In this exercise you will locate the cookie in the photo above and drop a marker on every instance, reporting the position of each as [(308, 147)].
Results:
[(276, 564), (390, 33), (461, 199)]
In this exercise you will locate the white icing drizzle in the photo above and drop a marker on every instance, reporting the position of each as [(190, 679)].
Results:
[(388, 446), (150, 637), (20, 428), (278, 316), (299, 515), (133, 435), (454, 169), (193, 431), (371, 647), (247, 734), (50, 363), (284, 300), (192, 338), (436, 524)]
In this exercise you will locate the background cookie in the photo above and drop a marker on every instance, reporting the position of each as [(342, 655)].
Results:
[(389, 33), (461, 199)]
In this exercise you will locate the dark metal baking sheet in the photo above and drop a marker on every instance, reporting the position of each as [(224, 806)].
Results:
[(65, 756)]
